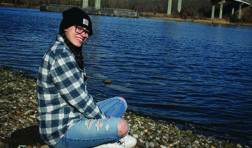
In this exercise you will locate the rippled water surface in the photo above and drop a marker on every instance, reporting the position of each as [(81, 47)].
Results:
[(181, 71)]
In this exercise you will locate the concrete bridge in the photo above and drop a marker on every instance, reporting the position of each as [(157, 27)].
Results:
[(91, 10), (214, 2), (97, 4), (170, 6), (221, 2)]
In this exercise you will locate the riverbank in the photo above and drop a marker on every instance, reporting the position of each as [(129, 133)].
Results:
[(156, 16), (206, 20), (18, 112)]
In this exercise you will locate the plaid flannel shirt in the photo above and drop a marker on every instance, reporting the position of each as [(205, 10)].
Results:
[(62, 95)]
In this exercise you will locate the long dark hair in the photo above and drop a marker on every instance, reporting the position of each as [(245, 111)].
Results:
[(77, 51)]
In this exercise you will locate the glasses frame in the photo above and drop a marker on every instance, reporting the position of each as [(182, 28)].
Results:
[(81, 28)]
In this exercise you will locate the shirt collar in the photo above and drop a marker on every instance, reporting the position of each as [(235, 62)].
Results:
[(60, 38)]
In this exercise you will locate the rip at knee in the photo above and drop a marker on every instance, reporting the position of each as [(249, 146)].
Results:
[(123, 127), (121, 98)]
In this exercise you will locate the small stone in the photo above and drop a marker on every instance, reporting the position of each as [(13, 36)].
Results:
[(156, 145), (238, 145), (151, 144), (33, 116), (135, 135)]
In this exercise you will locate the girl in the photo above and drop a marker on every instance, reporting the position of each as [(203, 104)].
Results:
[(67, 114)]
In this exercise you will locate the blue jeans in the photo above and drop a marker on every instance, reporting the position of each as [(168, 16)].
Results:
[(93, 132)]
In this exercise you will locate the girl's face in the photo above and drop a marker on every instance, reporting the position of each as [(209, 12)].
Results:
[(76, 35)]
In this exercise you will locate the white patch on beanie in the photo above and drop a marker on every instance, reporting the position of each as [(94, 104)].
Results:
[(85, 22)]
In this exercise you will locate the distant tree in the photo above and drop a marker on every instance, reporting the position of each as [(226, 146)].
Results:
[(91, 3), (234, 18), (190, 8), (247, 15), (204, 8), (183, 14)]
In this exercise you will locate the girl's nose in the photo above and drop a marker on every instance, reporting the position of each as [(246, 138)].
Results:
[(84, 34)]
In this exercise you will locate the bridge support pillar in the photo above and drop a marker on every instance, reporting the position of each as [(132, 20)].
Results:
[(97, 4), (179, 5), (240, 11), (213, 9), (84, 3), (169, 7), (221, 9)]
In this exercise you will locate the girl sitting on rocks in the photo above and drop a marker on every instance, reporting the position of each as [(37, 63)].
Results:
[(67, 114)]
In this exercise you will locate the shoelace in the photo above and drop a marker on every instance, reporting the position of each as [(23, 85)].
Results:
[(122, 141)]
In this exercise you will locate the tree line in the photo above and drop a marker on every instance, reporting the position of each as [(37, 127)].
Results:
[(192, 9)]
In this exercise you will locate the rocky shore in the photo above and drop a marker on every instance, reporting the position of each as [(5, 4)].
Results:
[(18, 124)]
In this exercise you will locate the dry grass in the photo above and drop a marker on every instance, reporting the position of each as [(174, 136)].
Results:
[(176, 18), (7, 5)]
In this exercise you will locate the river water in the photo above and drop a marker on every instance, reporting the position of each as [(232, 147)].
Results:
[(181, 71)]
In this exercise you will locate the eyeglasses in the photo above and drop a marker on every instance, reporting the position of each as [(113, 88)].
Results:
[(80, 30)]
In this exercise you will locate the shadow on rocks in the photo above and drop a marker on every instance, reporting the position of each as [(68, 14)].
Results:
[(26, 136)]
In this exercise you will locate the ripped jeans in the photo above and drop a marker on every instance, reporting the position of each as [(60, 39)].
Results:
[(90, 133)]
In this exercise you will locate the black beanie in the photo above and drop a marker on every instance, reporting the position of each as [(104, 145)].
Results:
[(76, 16)]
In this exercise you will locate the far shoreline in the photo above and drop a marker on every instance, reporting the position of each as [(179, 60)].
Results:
[(161, 16), (215, 21)]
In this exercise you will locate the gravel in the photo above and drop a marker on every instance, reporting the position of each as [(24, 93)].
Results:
[(19, 127)]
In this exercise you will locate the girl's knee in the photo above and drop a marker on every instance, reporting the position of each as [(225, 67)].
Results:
[(121, 98), (123, 127)]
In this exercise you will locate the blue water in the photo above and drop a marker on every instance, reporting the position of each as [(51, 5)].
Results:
[(180, 71)]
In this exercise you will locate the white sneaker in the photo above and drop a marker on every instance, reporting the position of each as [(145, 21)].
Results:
[(128, 141), (110, 145)]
